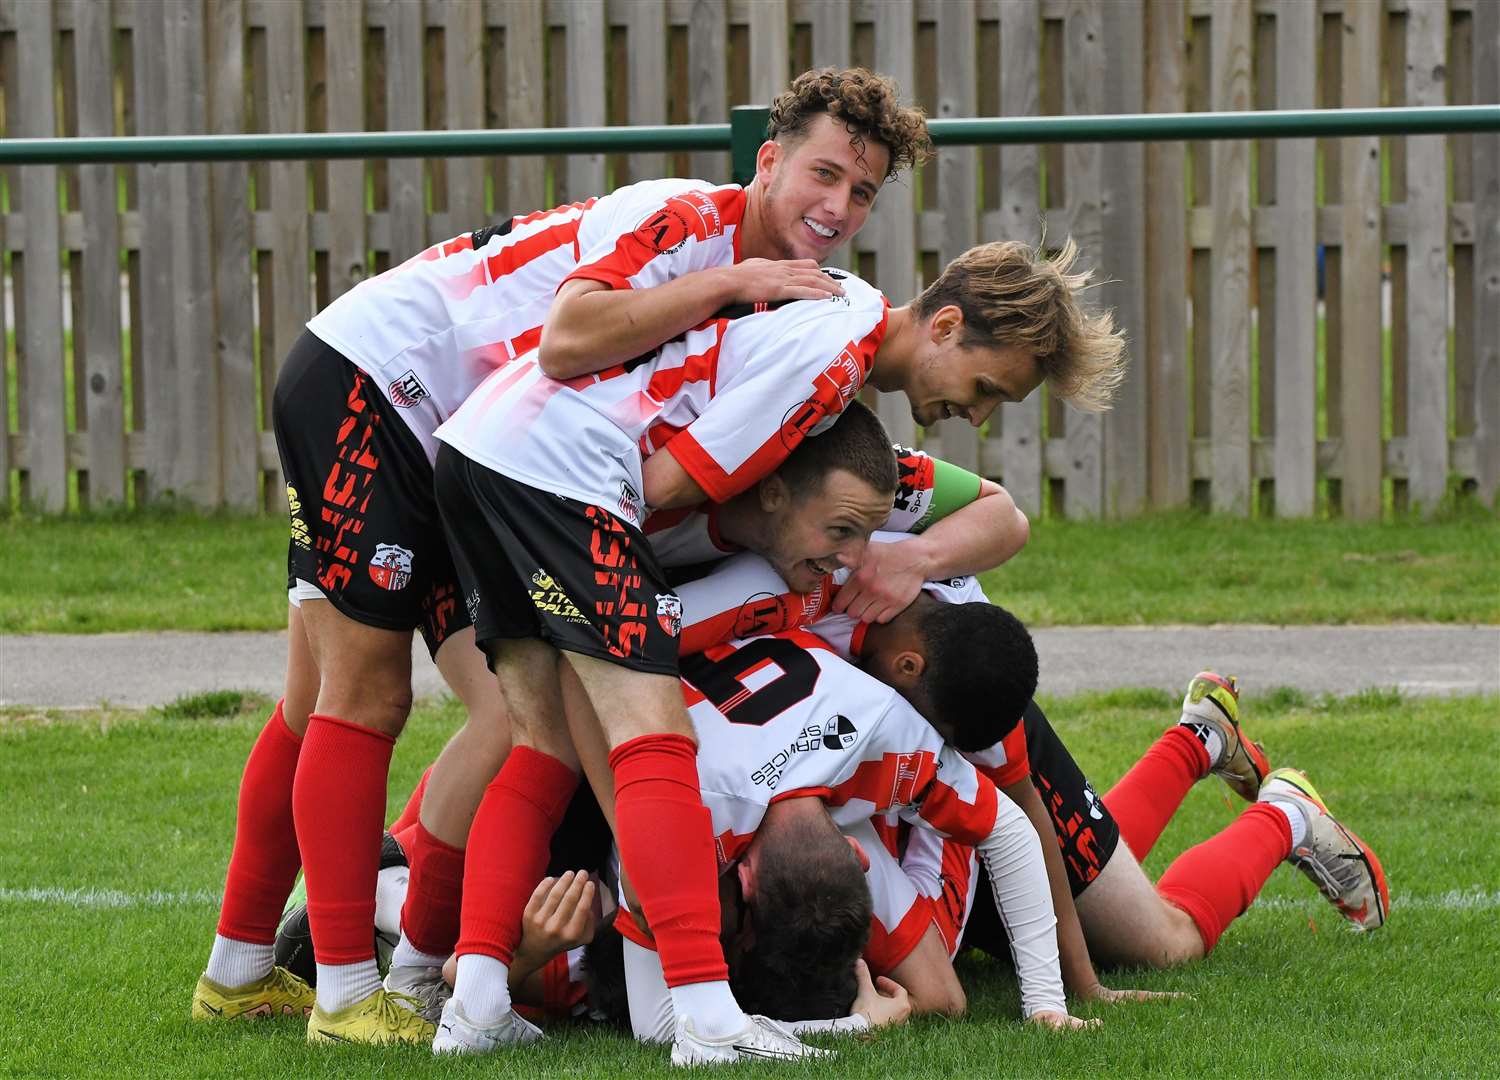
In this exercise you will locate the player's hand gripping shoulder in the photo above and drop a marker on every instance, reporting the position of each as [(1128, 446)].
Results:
[(882, 1001), (887, 581), (769, 280), (558, 917)]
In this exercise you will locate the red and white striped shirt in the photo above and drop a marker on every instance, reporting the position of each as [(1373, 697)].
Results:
[(731, 399), (430, 330)]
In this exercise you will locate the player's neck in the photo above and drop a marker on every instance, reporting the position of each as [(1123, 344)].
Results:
[(897, 353), (742, 523), (754, 242)]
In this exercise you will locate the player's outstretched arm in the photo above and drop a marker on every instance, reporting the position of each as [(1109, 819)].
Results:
[(592, 326), (977, 536)]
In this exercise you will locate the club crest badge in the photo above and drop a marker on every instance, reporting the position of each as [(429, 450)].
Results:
[(406, 391), (390, 567), (669, 613)]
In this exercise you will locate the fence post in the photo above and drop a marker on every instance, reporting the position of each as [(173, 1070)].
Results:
[(747, 130)]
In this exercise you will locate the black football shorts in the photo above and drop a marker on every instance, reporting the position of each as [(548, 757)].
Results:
[(533, 564), (365, 530)]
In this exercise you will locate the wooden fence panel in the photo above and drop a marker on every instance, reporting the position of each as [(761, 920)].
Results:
[(193, 408), (1426, 426), (1183, 418), (526, 102), (1230, 262), (291, 296), (37, 273), (1123, 257), (98, 289), (8, 180), (403, 110), (1486, 181), (1083, 34), (463, 99), (646, 92), (584, 80), (234, 335), (1165, 359), (957, 194), (893, 221), (157, 363), (708, 39), (1296, 297), (1021, 444), (1360, 286)]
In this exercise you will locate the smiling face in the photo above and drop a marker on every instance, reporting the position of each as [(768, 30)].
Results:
[(951, 379), (820, 185), (818, 532)]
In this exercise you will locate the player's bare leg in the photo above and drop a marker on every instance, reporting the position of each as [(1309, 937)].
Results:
[(241, 978), (338, 804), (508, 848), (435, 846), (666, 842), (1127, 923)]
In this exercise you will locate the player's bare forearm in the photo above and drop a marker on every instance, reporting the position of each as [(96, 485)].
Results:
[(1073, 952), (667, 484), (974, 538), (928, 976), (591, 327)]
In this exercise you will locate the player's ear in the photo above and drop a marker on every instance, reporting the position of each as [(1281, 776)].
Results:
[(766, 160), (746, 872), (946, 321), (773, 494), (909, 666)]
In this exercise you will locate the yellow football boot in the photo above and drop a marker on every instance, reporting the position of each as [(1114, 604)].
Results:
[(383, 1017), (279, 994)]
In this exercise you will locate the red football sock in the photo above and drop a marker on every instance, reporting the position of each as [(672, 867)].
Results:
[(667, 846), (264, 864), (1215, 881), (413, 809), (435, 893), (1148, 795), (509, 845), (338, 802)]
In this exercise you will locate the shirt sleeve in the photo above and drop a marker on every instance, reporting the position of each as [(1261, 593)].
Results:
[(742, 597), (784, 376), (650, 233), (928, 489), (964, 805), (1006, 762)]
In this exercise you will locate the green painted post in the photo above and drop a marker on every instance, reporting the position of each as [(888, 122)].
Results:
[(747, 130)]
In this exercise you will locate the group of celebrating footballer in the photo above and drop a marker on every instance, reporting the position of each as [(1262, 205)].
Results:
[(609, 459)]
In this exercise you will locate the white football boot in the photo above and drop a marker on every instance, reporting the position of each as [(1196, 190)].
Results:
[(456, 1035), (761, 1038)]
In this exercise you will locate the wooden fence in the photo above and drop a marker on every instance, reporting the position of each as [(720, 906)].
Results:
[(1313, 324)]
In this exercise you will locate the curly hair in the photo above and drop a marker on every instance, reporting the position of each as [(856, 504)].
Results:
[(978, 704), (866, 104), (1013, 294)]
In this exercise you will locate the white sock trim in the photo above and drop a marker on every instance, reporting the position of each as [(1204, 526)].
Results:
[(408, 955), (482, 989), (1296, 817), (711, 1007), (234, 963), (341, 985)]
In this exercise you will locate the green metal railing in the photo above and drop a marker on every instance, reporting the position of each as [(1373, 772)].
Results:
[(744, 133)]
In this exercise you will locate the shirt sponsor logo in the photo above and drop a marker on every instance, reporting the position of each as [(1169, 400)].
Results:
[(762, 614), (550, 599), (691, 214), (390, 567), (837, 733), (407, 390), (301, 536), (833, 388), (630, 501), (904, 782), (669, 613), (915, 473)]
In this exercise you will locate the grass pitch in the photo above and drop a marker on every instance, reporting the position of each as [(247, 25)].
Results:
[(155, 570), (118, 828)]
